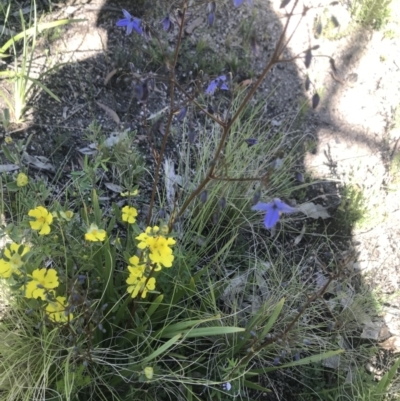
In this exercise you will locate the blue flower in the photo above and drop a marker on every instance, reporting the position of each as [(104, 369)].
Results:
[(217, 83), (167, 24), (238, 3), (251, 142), (131, 23), (273, 211)]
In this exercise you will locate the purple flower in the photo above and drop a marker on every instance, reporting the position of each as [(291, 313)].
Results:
[(238, 3), (273, 211), (131, 23), (167, 24), (217, 83), (181, 114), (251, 142), (210, 19)]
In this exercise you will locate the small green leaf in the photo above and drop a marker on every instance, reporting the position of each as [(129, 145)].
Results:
[(162, 349), (304, 361), (273, 318), (207, 331)]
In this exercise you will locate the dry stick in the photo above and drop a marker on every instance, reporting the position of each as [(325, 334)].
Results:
[(167, 129), (274, 59)]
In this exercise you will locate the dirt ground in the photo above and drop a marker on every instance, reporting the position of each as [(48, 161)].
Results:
[(353, 133)]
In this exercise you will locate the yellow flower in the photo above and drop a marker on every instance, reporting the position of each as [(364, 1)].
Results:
[(148, 372), (42, 280), (95, 234), (160, 252), (136, 269), (8, 140), (43, 220), (13, 259), (130, 193), (56, 310), (157, 245), (139, 286), (68, 215), (129, 214), (22, 180)]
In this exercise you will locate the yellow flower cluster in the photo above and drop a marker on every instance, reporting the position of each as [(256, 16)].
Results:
[(157, 252), (42, 284), (158, 245)]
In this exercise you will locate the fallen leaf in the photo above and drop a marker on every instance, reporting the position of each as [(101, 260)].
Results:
[(88, 150), (284, 3), (5, 168), (110, 75), (114, 187), (110, 112), (314, 211), (246, 82), (115, 138), (308, 58), (315, 100), (193, 25), (39, 162)]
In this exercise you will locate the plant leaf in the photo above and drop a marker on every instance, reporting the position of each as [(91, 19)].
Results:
[(162, 349)]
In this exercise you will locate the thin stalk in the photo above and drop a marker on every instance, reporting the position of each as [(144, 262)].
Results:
[(168, 127)]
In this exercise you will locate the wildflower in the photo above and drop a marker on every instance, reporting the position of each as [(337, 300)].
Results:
[(238, 3), (22, 180), (140, 285), (157, 245), (42, 280), (13, 259), (136, 270), (167, 24), (251, 142), (211, 7), (43, 220), (95, 234), (131, 23), (8, 140), (219, 83), (210, 19), (57, 310), (181, 113), (273, 210), (129, 214), (68, 215)]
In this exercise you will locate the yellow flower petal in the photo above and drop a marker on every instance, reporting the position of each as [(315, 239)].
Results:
[(45, 229), (5, 269)]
